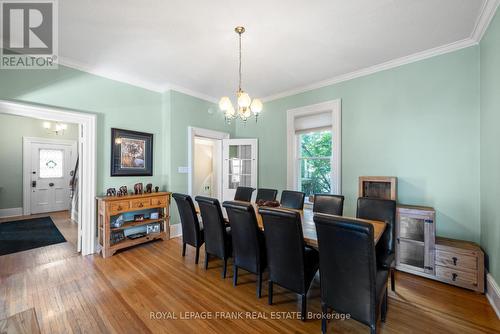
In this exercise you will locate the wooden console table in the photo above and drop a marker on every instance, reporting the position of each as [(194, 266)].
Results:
[(109, 208)]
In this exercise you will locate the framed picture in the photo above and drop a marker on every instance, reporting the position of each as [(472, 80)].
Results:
[(131, 153)]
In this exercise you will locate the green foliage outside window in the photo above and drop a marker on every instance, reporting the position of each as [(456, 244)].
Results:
[(315, 162)]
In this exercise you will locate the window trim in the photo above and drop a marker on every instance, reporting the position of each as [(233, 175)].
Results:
[(335, 107)]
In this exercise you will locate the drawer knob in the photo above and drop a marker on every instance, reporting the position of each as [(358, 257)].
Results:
[(141, 205), (454, 260), (454, 277), (119, 207)]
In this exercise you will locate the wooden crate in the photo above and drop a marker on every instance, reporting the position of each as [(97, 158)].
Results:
[(378, 187)]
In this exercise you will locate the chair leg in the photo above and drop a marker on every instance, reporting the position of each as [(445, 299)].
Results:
[(304, 307), (206, 260), (393, 280), (270, 297), (384, 306), (197, 256), (235, 275), (259, 285), (373, 329), (183, 249), (224, 269), (324, 314)]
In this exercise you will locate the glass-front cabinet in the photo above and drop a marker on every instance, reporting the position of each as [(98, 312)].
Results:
[(415, 239)]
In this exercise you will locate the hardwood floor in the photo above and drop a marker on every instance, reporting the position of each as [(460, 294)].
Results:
[(74, 294)]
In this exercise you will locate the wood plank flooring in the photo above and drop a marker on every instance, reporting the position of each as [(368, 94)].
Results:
[(74, 294)]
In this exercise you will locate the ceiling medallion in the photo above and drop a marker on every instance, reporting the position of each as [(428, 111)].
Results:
[(245, 105)]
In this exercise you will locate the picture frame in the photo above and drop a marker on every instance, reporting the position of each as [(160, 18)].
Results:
[(131, 153)]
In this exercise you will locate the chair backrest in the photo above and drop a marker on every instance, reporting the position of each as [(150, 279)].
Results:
[(213, 226), (292, 199), (266, 194), (245, 234), (382, 210), (347, 266), (243, 194), (329, 204), (285, 247), (189, 219)]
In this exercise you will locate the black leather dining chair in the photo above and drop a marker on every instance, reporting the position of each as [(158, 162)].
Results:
[(192, 233), (351, 283), (249, 249), (217, 233), (328, 204), (292, 199), (244, 194), (291, 263), (382, 210), (266, 194)]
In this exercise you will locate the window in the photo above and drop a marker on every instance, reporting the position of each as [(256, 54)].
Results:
[(314, 161), (51, 163)]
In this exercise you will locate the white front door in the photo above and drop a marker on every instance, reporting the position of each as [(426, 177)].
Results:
[(239, 165), (51, 166)]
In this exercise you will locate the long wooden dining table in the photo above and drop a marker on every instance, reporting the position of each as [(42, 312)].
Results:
[(309, 228)]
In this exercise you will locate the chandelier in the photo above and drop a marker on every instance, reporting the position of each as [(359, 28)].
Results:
[(245, 105)]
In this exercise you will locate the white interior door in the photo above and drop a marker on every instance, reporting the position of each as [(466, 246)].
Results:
[(51, 166), (239, 165)]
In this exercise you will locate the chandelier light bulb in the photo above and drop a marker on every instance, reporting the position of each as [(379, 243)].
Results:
[(256, 106), (225, 103), (244, 100), (230, 112)]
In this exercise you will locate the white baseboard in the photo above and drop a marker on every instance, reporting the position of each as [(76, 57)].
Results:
[(493, 293), (175, 230), (11, 212)]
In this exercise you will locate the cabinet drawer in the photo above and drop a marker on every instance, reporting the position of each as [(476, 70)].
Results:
[(119, 206), (158, 201), (140, 203), (455, 276), (455, 260)]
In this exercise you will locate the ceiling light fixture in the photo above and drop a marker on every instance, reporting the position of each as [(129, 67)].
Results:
[(245, 105)]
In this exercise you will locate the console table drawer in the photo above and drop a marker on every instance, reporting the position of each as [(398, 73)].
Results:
[(158, 201), (117, 207), (456, 260), (458, 277), (140, 203)]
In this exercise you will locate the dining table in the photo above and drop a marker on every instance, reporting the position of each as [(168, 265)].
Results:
[(309, 228)]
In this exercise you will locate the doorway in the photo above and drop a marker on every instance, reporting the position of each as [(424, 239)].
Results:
[(49, 166), (206, 164)]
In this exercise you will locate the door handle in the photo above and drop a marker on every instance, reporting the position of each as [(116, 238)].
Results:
[(33, 184), (51, 184)]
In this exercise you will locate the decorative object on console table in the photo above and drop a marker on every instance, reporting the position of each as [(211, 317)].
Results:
[(415, 238), (131, 153), (149, 188), (108, 207), (138, 189), (123, 191), (111, 192), (157, 189), (384, 187)]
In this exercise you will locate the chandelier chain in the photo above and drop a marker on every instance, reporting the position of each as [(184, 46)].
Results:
[(239, 86)]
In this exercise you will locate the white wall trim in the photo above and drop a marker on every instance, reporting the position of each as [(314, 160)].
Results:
[(11, 212), (484, 19), (493, 293), (87, 151), (206, 133), (335, 106), (27, 142), (175, 231)]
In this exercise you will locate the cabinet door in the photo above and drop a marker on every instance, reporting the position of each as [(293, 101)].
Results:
[(430, 240)]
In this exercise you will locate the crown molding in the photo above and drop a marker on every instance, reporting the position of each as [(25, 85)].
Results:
[(377, 68), (484, 19), (112, 75), (192, 93), (486, 14)]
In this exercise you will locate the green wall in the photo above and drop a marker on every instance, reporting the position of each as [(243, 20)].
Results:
[(116, 104), (490, 141), (419, 122), (12, 130)]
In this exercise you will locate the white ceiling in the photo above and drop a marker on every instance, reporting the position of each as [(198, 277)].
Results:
[(289, 44)]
